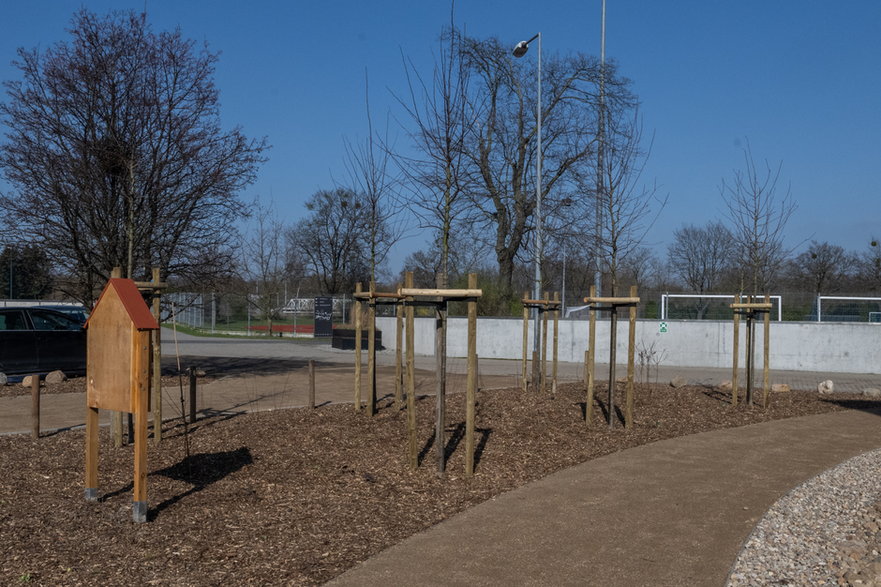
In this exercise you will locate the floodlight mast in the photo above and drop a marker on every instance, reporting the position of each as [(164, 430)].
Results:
[(519, 51)]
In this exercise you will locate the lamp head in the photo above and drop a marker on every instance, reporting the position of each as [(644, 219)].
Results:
[(521, 48)]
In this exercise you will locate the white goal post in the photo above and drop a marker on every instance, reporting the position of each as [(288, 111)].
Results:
[(821, 299), (733, 297)]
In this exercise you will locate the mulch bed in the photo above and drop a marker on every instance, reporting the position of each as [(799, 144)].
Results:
[(299, 496)]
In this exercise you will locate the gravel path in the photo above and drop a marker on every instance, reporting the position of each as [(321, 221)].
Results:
[(823, 532)]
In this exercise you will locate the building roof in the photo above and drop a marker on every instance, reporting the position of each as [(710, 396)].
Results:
[(132, 301)]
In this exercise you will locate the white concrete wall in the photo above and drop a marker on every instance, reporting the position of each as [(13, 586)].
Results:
[(797, 346)]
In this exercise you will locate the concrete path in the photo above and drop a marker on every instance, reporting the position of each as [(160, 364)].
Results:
[(670, 513)]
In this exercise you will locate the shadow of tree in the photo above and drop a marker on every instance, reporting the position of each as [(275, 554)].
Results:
[(201, 470)]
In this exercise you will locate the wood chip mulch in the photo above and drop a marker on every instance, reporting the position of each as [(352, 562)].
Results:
[(299, 496)]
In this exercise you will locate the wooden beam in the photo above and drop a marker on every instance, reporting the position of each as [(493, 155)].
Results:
[(591, 360), (372, 295), (751, 306), (540, 303), (413, 453), (440, 293), (357, 349), (471, 381), (612, 301)]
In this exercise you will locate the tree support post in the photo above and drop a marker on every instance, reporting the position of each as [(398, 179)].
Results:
[(357, 302), (471, 383), (523, 380), (371, 350), (591, 358), (411, 376), (631, 346)]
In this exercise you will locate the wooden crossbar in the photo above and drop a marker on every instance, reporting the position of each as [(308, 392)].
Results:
[(526, 302), (440, 293), (368, 295), (612, 301), (752, 306)]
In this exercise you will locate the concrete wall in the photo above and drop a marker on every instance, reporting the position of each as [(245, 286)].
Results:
[(796, 346)]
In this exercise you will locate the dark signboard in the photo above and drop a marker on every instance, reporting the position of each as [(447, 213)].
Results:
[(323, 317)]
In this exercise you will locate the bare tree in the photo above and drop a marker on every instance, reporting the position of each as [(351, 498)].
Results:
[(628, 208), (370, 173), (264, 261), (116, 155), (758, 215), (701, 256), (503, 146), (437, 175), (823, 268), (330, 240), (869, 266)]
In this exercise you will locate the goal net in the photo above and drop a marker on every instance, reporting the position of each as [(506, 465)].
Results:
[(708, 306), (848, 309)]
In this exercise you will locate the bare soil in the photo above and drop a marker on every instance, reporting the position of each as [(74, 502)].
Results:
[(299, 496)]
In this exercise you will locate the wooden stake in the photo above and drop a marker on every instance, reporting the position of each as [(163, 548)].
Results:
[(750, 351), (91, 476), (357, 303), (591, 358), (311, 384), (525, 342), (767, 354), (141, 363), (411, 378), (736, 352), (471, 384), (192, 371), (613, 348), (371, 351), (556, 342), (156, 365), (35, 405), (544, 342), (440, 365), (399, 353), (631, 345)]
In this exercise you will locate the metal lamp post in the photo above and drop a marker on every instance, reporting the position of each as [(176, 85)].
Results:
[(519, 51)]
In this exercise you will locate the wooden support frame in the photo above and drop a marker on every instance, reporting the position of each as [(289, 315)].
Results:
[(539, 361), (611, 304), (750, 310), (371, 298), (438, 298)]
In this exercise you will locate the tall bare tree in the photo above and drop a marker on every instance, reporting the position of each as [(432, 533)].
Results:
[(116, 155), (822, 268), (369, 165), (701, 256), (330, 240), (758, 214), (264, 260), (437, 174), (502, 145), (626, 206)]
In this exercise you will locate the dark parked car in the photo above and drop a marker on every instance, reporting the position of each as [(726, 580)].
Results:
[(42, 339)]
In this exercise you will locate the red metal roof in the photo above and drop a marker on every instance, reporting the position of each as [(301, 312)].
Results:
[(132, 301)]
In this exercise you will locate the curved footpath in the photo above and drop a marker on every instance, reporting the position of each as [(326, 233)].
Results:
[(674, 512)]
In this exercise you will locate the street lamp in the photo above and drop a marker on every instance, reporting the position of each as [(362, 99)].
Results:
[(519, 51)]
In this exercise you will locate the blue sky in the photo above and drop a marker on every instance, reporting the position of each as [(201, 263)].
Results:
[(800, 79)]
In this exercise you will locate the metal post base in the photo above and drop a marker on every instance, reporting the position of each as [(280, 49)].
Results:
[(91, 494), (139, 511)]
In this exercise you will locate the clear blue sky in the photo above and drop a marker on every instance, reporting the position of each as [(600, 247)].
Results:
[(801, 79)]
